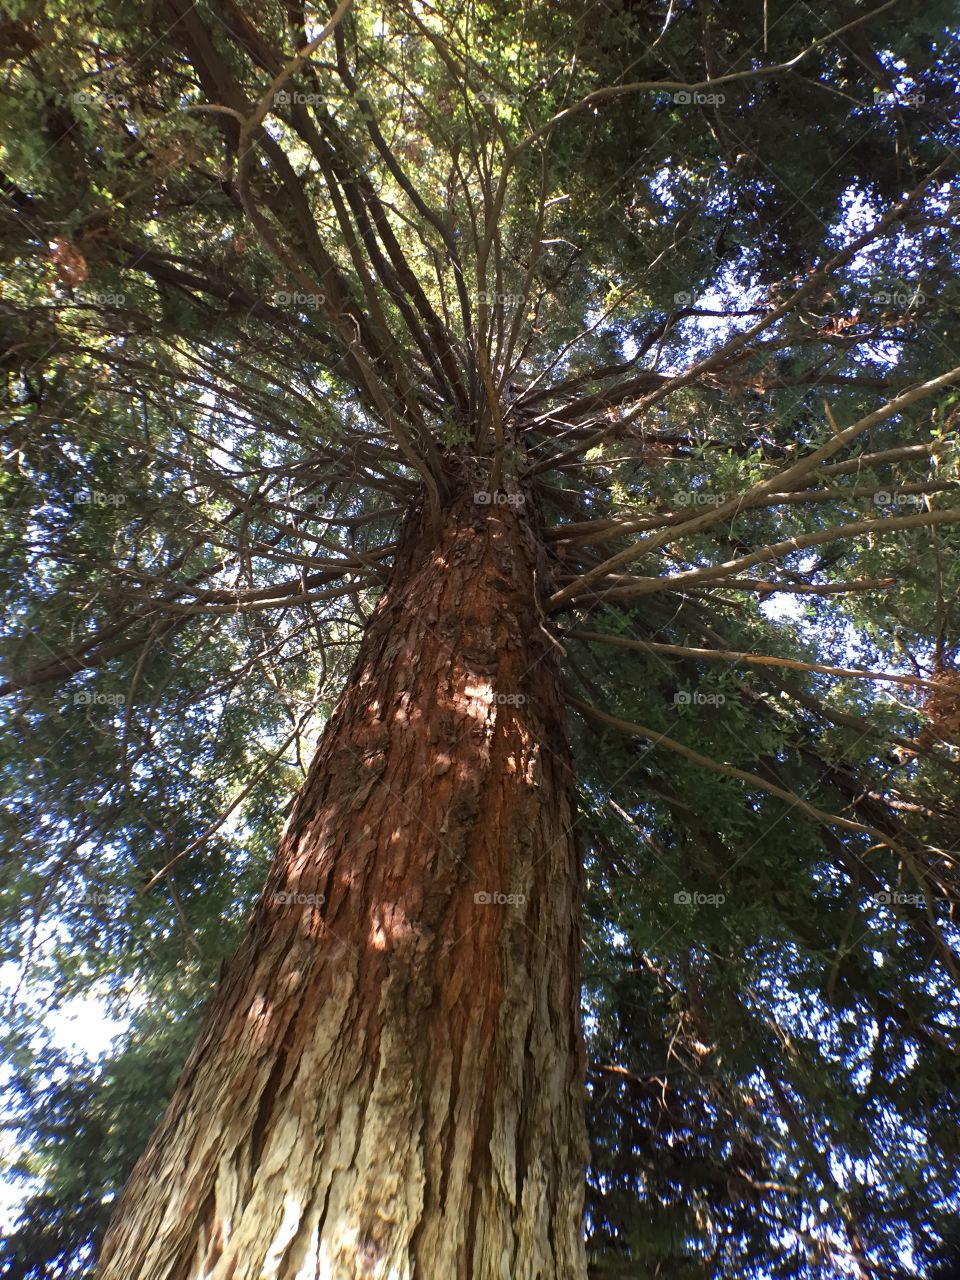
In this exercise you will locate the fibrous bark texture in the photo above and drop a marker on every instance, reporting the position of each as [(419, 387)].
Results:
[(388, 1082)]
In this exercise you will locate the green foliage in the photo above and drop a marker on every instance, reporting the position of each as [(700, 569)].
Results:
[(235, 357)]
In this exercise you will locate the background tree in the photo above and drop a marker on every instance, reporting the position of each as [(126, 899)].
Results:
[(674, 285)]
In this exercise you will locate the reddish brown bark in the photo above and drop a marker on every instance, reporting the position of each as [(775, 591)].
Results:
[(388, 1083)]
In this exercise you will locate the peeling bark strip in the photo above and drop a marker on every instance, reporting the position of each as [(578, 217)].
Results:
[(388, 1083)]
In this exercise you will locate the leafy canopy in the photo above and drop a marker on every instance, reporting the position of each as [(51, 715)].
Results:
[(275, 275)]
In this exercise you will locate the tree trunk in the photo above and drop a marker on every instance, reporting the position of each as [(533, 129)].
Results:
[(389, 1081)]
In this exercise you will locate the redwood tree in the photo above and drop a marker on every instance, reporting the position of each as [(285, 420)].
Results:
[(382, 385), (389, 1080)]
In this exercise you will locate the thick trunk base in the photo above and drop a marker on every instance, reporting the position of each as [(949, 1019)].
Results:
[(388, 1084)]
